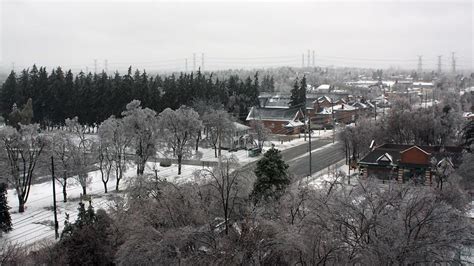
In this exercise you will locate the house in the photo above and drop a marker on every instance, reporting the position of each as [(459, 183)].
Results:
[(239, 137), (407, 162), (279, 121)]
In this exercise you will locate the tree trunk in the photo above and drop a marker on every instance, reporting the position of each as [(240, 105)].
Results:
[(105, 186), (180, 158), (84, 190), (64, 192), (215, 151), (117, 184), (198, 139), (21, 205)]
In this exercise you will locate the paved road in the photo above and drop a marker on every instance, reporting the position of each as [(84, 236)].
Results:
[(324, 154), (321, 159)]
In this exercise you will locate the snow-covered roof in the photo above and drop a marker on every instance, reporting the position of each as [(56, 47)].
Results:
[(323, 87), (422, 83), (385, 158), (325, 111), (343, 107), (294, 124)]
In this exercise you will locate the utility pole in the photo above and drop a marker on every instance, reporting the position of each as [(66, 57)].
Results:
[(186, 65), (333, 122), (302, 61), (309, 143), (95, 66), (202, 62), (314, 65), (194, 62), (56, 225), (420, 64), (309, 59), (453, 62), (439, 64)]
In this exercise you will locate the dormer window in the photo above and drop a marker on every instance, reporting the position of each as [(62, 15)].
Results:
[(385, 158)]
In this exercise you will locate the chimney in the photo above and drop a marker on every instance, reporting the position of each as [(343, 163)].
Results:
[(342, 106)]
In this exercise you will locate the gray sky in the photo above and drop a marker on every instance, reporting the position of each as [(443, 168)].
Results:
[(161, 35)]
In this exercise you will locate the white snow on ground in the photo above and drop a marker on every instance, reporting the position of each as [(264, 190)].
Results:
[(207, 154), (323, 177), (36, 223)]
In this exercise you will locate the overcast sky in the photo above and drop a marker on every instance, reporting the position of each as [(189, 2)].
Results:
[(161, 35)]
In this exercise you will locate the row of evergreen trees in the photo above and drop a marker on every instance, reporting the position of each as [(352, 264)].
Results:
[(94, 97)]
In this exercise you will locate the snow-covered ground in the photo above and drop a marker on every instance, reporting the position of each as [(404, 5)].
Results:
[(207, 154), (36, 223), (323, 177)]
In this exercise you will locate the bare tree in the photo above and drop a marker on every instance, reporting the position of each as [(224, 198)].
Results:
[(179, 128), (23, 147)]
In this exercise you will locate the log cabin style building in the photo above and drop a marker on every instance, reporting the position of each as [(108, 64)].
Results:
[(405, 163)]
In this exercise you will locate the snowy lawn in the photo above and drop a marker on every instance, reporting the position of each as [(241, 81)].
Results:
[(36, 223)]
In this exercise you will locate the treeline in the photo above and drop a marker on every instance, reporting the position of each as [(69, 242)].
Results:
[(94, 97)]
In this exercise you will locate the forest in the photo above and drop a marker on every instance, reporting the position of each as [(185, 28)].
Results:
[(94, 97)]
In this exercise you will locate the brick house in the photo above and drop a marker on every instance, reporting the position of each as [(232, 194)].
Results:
[(407, 162), (279, 121)]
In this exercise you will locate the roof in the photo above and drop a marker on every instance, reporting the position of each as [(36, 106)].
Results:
[(240, 127), (323, 87), (273, 114), (395, 150)]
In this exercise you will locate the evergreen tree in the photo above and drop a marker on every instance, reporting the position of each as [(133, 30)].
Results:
[(85, 242), (272, 176), (294, 98), (298, 94), (8, 95), (5, 219)]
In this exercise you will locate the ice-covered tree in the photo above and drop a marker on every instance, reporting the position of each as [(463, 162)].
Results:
[(61, 149), (141, 124), (179, 129), (114, 141), (80, 150), (23, 147), (219, 127)]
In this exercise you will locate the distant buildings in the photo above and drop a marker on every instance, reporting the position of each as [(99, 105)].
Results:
[(324, 111)]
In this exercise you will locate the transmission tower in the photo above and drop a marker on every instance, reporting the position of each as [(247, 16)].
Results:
[(309, 59), (439, 64), (420, 64), (453, 62), (202, 62)]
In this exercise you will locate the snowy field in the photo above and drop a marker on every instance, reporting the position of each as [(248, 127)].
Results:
[(36, 223)]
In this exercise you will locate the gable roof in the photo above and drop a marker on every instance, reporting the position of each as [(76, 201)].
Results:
[(395, 151), (415, 147), (273, 114)]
